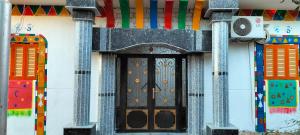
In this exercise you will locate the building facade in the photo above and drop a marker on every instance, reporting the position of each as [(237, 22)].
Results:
[(154, 68)]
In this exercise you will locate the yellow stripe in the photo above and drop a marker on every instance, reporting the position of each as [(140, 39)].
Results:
[(139, 14), (197, 14)]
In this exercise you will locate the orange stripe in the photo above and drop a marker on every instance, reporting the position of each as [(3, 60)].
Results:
[(139, 14), (13, 61), (287, 63), (197, 14), (275, 62)]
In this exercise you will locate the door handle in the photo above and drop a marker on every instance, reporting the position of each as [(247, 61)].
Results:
[(153, 93)]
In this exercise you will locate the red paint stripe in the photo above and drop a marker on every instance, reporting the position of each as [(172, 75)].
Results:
[(109, 13), (168, 14)]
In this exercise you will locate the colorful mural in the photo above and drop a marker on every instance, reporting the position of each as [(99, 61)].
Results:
[(271, 14), (40, 80), (260, 112), (126, 17), (287, 39), (282, 96), (20, 97), (36, 10)]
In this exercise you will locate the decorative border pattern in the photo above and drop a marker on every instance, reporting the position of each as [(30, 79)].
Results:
[(35, 10), (269, 15), (41, 77), (260, 109), (285, 39), (113, 17)]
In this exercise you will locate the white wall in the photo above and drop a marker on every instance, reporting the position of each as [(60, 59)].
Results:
[(59, 32), (241, 94), (241, 83)]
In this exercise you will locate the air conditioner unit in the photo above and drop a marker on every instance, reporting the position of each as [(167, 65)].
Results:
[(247, 27)]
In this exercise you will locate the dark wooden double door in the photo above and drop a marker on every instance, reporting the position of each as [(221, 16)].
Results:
[(151, 93)]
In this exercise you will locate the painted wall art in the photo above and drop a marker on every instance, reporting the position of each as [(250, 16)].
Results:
[(260, 107), (282, 96), (20, 97), (28, 79)]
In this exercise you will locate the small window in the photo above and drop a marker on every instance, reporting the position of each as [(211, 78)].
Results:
[(281, 62), (23, 61)]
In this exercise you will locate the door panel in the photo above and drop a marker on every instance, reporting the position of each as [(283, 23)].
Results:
[(151, 98), (137, 94), (137, 119), (165, 119), (164, 82), (137, 82), (165, 94)]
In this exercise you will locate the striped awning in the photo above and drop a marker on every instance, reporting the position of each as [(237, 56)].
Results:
[(169, 14)]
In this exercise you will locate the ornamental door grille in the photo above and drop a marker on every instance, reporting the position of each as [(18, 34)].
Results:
[(151, 94)]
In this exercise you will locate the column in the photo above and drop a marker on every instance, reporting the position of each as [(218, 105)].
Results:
[(5, 14), (195, 94), (220, 39), (83, 48), (106, 99)]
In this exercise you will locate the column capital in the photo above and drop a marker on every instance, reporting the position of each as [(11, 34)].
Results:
[(222, 6), (85, 15), (83, 9), (221, 16)]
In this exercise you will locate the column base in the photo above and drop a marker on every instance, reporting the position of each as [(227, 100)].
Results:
[(80, 130), (212, 130)]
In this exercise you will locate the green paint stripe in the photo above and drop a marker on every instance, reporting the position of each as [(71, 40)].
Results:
[(182, 13), (19, 113), (125, 11)]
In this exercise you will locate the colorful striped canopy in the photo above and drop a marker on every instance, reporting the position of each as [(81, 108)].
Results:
[(171, 14)]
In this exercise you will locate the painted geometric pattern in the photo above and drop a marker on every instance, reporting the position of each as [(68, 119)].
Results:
[(288, 39), (278, 15), (41, 80), (20, 97), (268, 14), (153, 17), (35, 10), (282, 93), (260, 112)]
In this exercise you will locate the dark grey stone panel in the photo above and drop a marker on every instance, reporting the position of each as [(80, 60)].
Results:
[(96, 40), (122, 38), (206, 41), (115, 40)]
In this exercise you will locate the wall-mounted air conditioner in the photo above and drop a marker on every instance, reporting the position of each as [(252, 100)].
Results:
[(247, 28)]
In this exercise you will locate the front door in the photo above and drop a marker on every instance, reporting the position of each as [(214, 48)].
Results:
[(151, 93)]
